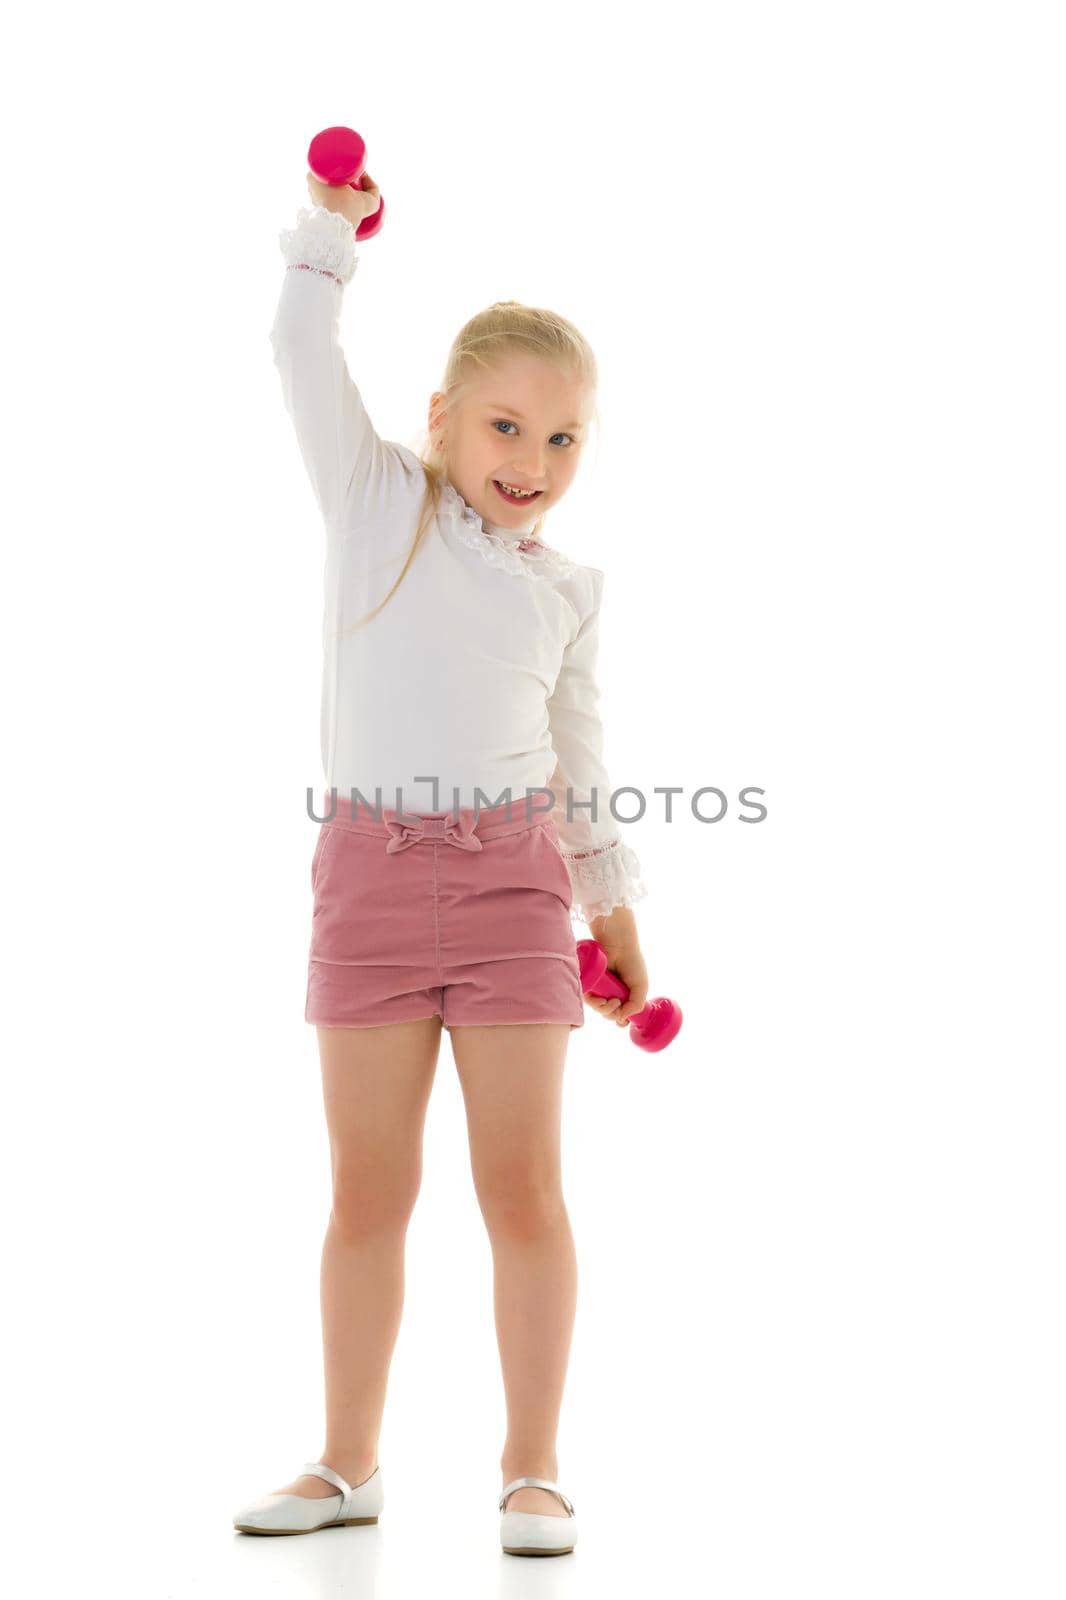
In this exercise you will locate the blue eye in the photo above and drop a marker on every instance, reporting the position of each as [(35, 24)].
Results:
[(507, 423)]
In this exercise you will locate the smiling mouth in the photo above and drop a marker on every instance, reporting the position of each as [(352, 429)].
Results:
[(517, 499)]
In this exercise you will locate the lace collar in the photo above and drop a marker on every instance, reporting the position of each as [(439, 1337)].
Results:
[(509, 549)]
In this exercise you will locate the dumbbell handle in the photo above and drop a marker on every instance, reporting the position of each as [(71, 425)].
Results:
[(609, 986)]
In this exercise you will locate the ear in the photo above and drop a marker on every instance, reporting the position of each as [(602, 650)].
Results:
[(437, 411)]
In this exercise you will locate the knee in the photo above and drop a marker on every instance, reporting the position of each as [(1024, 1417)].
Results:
[(522, 1206), (370, 1203)]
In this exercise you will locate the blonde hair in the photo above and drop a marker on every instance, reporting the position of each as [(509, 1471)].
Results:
[(503, 329)]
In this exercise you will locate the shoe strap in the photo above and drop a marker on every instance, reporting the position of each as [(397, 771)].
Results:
[(533, 1483), (318, 1469)]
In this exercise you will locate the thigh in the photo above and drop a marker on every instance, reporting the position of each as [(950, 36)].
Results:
[(376, 1084), (512, 1082)]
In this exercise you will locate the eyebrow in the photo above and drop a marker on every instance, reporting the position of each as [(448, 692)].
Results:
[(493, 405)]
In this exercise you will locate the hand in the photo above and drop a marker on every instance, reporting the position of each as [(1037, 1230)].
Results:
[(355, 204), (627, 963)]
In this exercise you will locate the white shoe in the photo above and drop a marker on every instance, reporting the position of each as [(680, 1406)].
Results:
[(297, 1513), (529, 1533)]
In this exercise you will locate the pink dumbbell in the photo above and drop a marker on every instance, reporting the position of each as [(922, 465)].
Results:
[(336, 156), (654, 1025)]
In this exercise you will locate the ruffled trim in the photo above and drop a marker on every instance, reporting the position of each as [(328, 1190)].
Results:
[(603, 878), (526, 560), (321, 239)]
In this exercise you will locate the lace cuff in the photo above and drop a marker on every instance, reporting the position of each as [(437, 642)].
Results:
[(322, 240), (603, 877)]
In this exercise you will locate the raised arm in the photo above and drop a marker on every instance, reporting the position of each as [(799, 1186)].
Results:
[(604, 869), (353, 472)]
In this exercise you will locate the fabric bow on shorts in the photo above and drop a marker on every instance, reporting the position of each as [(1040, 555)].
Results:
[(458, 831)]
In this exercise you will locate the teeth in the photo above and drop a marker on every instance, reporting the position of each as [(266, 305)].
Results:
[(520, 494)]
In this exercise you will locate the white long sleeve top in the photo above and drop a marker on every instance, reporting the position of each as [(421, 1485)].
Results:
[(480, 671)]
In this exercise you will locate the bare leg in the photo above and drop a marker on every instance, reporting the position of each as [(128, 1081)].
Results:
[(376, 1084), (511, 1077)]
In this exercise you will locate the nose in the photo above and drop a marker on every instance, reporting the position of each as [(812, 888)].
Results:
[(531, 466)]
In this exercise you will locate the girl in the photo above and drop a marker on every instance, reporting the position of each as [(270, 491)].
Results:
[(470, 684)]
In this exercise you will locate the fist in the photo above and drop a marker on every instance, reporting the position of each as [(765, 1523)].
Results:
[(355, 204), (627, 963)]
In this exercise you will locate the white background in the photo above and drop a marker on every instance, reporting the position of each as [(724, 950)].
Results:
[(818, 250)]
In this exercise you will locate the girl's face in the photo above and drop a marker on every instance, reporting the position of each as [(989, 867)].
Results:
[(523, 424)]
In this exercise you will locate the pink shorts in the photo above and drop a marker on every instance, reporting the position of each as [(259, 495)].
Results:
[(463, 917)]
